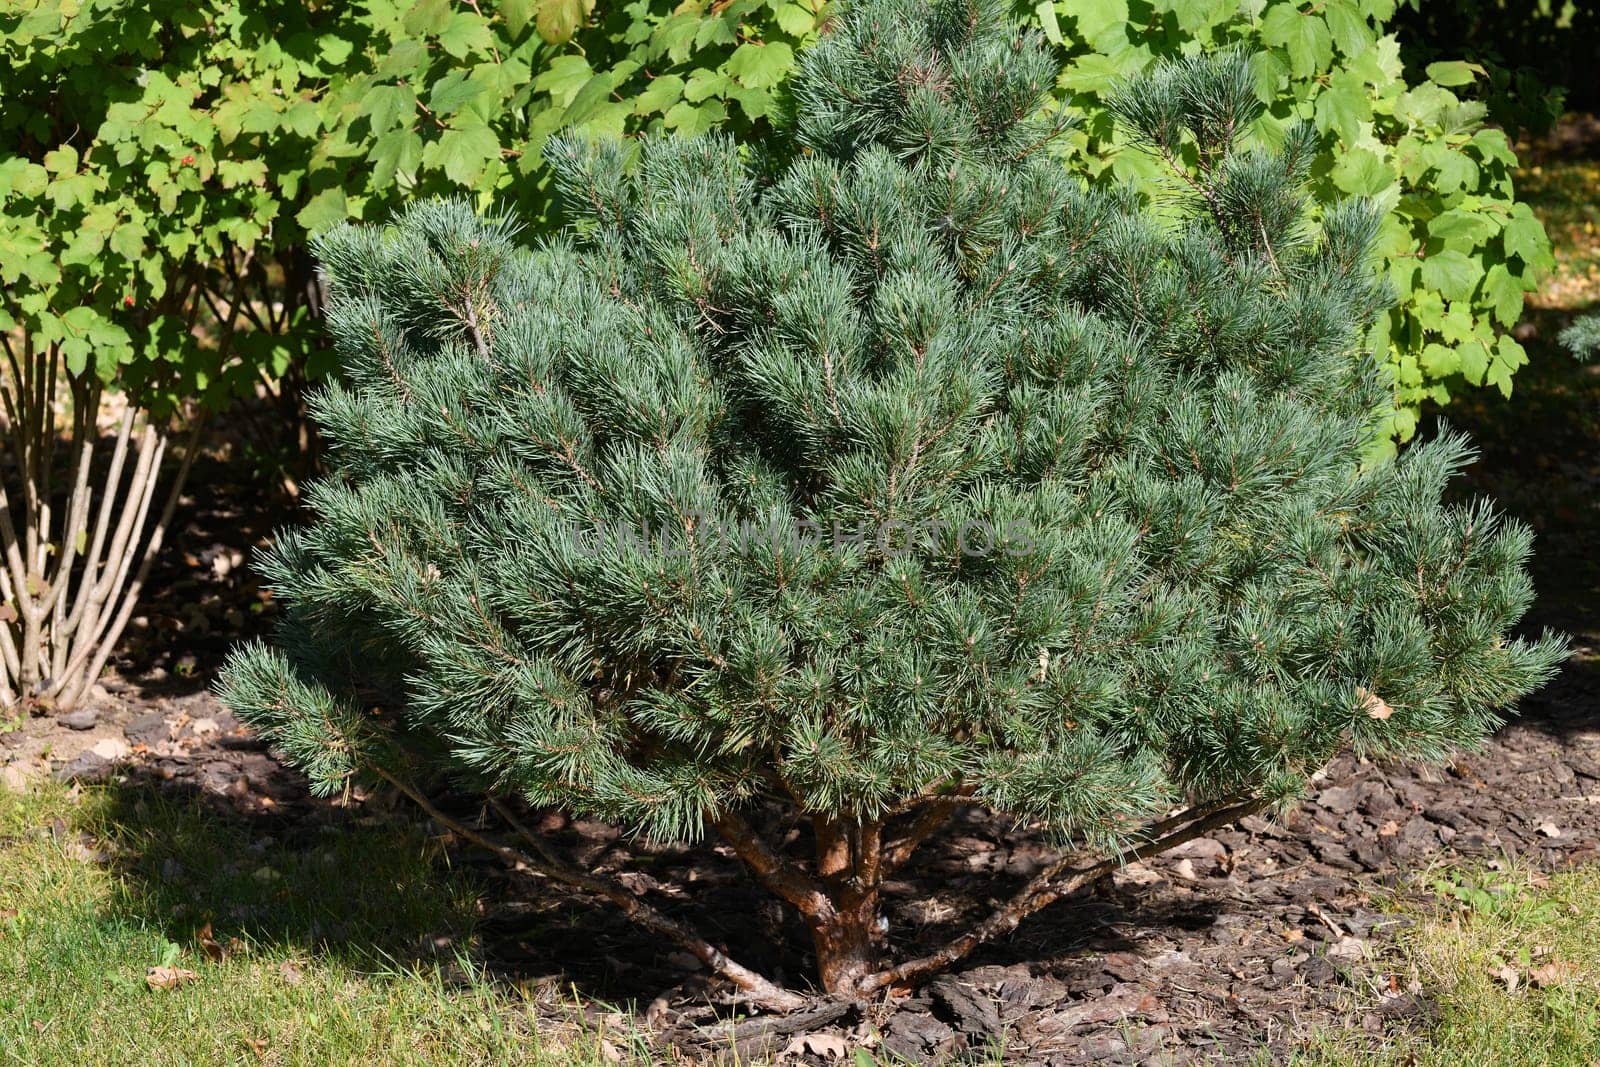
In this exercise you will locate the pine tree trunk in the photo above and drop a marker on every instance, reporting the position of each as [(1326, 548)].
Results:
[(849, 862), (846, 954)]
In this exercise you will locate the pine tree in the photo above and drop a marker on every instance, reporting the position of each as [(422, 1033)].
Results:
[(1582, 337), (892, 473)]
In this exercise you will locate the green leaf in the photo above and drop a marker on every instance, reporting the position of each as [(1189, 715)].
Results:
[(1303, 35), (29, 180), (659, 95), (796, 20), (1505, 293), (1524, 238), (63, 160), (694, 119), (1460, 227), (760, 66), (517, 13), (594, 92), (395, 156), (454, 91), (334, 50), (1343, 107), (323, 211), (465, 34), (1472, 361), (563, 78), (1103, 23), (1509, 355), (1453, 72), (1046, 11), (558, 20), (1439, 361), (1349, 27), (1360, 172), (427, 17), (466, 151), (384, 105), (1451, 273), (1456, 170)]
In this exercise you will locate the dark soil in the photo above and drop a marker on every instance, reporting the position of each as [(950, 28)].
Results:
[(1231, 948)]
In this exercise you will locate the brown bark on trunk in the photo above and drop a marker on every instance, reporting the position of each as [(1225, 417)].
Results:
[(849, 862)]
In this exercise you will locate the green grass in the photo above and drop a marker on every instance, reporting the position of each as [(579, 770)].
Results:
[(333, 945), (1477, 930)]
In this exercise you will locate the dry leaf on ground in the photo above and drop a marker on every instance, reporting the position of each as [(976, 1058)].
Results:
[(1553, 973), (832, 1046), (168, 977)]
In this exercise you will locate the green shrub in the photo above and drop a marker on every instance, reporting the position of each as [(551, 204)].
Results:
[(1461, 252), (162, 163), (905, 474)]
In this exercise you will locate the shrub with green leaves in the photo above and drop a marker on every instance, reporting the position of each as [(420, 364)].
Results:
[(293, 118), (1460, 250), (906, 475), (148, 149), (161, 167)]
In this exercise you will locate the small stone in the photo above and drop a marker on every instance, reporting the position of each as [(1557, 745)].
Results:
[(1348, 950), (111, 749), (1135, 874), (1319, 970), (82, 719), (149, 729), (88, 766), (1202, 856)]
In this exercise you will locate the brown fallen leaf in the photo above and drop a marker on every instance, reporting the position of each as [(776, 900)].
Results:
[(1374, 705), (210, 945), (831, 1046), (1509, 976), (168, 977), (1389, 829), (258, 1045), (291, 974), (1553, 973)]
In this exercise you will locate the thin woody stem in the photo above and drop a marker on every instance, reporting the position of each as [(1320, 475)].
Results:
[(1057, 881), (774, 871), (757, 990), (928, 821)]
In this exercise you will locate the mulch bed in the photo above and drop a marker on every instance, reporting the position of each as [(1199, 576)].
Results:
[(1244, 942)]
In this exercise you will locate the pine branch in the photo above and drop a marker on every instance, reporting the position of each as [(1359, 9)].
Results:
[(1053, 883), (774, 871), (758, 990), (928, 822)]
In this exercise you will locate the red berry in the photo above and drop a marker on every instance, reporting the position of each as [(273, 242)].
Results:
[(187, 160), (127, 301)]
